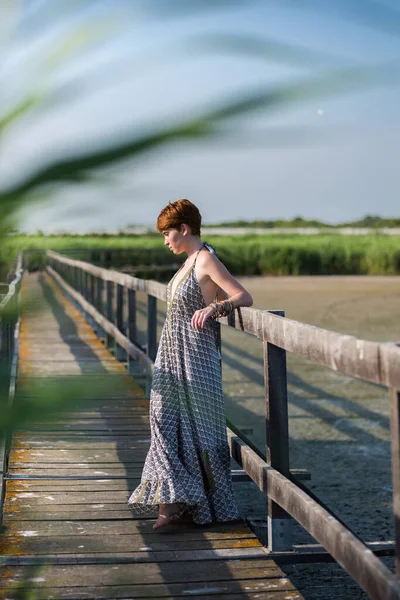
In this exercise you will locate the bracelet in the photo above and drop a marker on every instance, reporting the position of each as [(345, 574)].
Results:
[(221, 309)]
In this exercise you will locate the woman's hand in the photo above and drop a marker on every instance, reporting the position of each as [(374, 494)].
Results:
[(200, 317)]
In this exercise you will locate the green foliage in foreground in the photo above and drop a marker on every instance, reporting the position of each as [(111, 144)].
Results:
[(243, 255)]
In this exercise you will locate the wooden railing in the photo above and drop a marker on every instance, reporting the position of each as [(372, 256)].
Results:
[(9, 319), (145, 262), (371, 361)]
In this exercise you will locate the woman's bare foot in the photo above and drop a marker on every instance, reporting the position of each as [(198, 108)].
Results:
[(168, 513)]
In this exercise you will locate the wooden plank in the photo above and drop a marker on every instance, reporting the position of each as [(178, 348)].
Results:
[(41, 499), (102, 423), (93, 513), (236, 591), (109, 544), (124, 527), (94, 471), (123, 574), (66, 485), (143, 556), (111, 412), (76, 442), (54, 426), (54, 485), (27, 510), (48, 456)]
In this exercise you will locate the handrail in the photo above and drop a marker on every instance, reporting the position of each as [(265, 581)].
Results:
[(9, 329), (371, 361)]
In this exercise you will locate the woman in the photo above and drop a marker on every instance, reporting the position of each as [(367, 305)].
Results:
[(186, 474)]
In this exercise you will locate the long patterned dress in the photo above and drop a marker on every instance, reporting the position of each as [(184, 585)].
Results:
[(188, 461)]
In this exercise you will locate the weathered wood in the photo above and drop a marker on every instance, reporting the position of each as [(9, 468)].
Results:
[(277, 440), (83, 544), (212, 571), (104, 583), (85, 287), (371, 361), (299, 474), (92, 297), (99, 296), (110, 310), (117, 592), (395, 434), (151, 287), (350, 552), (120, 353), (125, 527), (151, 327), (132, 328), (312, 553)]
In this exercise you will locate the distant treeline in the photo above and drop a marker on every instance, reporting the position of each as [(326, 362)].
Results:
[(369, 221)]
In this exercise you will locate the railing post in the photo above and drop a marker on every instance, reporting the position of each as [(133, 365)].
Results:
[(82, 280), (99, 296), (99, 304), (91, 298), (85, 284), (132, 330), (151, 326), (92, 288), (395, 435), (277, 438), (151, 335), (120, 352), (110, 310)]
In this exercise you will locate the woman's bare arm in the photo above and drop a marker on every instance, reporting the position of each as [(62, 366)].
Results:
[(211, 268)]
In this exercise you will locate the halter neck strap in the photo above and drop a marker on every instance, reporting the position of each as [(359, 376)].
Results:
[(198, 252)]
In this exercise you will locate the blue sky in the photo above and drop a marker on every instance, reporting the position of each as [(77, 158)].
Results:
[(331, 157)]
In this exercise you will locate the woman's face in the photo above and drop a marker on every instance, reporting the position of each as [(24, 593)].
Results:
[(175, 240)]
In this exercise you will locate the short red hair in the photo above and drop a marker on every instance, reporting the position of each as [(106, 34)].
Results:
[(177, 213)]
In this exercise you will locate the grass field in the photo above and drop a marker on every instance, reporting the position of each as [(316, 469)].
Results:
[(326, 254)]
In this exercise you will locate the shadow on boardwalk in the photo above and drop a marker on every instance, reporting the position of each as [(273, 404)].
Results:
[(70, 475)]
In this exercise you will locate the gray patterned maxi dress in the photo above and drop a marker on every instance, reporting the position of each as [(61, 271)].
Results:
[(188, 461)]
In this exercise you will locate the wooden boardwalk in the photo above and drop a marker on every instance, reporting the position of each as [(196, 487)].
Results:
[(67, 529)]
